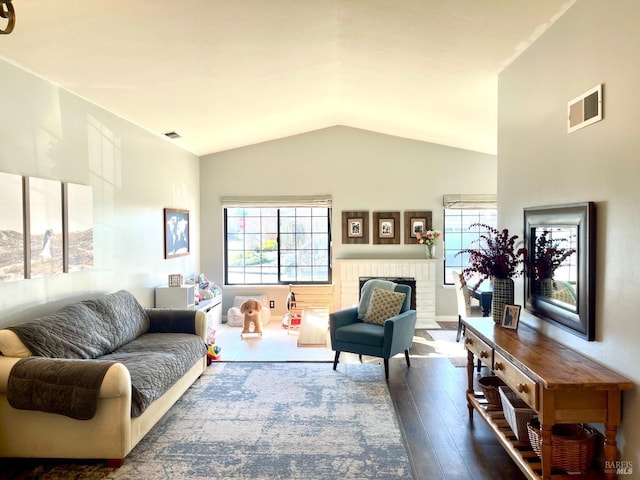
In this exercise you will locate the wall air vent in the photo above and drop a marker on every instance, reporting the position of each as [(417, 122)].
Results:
[(172, 135), (585, 109)]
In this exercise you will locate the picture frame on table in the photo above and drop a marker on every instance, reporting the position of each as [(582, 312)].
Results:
[(176, 233), (355, 227), (416, 222), (387, 225), (511, 316)]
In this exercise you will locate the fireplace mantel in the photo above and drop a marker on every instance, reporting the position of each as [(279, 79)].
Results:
[(423, 270)]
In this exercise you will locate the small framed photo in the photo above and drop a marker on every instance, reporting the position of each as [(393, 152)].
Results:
[(176, 232), (387, 225), (414, 223), (355, 227), (175, 280), (511, 316)]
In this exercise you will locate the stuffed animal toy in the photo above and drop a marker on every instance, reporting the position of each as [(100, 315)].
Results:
[(213, 350), (251, 309)]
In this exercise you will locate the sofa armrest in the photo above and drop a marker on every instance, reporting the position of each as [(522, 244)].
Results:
[(174, 320), (116, 382)]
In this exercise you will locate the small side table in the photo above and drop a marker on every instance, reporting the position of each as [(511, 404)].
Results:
[(314, 327)]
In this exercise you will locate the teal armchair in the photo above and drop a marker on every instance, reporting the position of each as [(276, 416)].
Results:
[(350, 334)]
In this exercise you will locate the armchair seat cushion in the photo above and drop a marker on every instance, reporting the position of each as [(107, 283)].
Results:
[(361, 333)]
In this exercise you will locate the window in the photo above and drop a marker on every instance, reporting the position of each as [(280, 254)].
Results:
[(460, 212), (277, 244)]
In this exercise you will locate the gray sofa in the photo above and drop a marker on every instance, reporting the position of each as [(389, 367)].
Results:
[(98, 373)]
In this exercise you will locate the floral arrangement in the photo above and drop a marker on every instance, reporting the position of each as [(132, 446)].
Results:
[(548, 255), (428, 238), (496, 255)]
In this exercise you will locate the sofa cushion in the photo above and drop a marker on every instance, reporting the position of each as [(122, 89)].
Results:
[(384, 305), (87, 329), (155, 362)]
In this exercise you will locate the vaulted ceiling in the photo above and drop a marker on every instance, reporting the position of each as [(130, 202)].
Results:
[(230, 73)]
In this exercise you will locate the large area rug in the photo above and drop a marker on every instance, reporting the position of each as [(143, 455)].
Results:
[(266, 421)]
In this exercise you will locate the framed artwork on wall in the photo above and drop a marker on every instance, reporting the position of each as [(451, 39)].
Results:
[(43, 207), (387, 228), (11, 228), (414, 223), (355, 227), (176, 232), (78, 227)]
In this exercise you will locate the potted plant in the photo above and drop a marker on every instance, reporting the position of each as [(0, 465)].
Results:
[(497, 258), (548, 255)]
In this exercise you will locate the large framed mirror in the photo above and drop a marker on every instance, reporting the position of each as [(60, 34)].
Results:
[(559, 284)]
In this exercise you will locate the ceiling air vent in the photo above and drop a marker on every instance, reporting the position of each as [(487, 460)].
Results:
[(172, 135), (585, 109)]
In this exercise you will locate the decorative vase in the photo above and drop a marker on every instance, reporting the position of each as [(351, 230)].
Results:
[(502, 294), (544, 287), (431, 250)]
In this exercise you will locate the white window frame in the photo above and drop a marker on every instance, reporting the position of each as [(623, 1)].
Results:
[(473, 208)]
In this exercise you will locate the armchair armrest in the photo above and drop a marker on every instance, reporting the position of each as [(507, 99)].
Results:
[(399, 332), (173, 320), (343, 317)]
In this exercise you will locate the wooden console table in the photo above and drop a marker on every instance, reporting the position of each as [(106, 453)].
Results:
[(561, 385)]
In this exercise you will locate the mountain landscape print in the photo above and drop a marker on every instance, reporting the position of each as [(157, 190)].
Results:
[(11, 228)]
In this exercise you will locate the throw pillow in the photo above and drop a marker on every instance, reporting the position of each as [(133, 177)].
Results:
[(384, 304)]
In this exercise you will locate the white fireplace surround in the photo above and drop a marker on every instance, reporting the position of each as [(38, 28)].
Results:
[(423, 271)]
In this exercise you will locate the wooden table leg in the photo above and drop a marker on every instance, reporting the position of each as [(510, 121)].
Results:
[(610, 433), (546, 450), (470, 383)]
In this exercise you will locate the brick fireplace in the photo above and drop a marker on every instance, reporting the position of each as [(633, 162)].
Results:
[(351, 271)]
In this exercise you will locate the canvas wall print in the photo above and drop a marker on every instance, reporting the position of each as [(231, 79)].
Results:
[(11, 228), (44, 210), (78, 214)]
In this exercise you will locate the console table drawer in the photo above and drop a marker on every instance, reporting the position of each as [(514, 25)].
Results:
[(479, 348), (519, 382)]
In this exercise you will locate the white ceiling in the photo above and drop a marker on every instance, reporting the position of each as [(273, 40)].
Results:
[(229, 73)]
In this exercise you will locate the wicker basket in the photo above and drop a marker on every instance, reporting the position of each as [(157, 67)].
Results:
[(516, 412), (572, 445), (489, 386)]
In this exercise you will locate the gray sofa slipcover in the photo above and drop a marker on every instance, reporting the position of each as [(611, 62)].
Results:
[(151, 357)]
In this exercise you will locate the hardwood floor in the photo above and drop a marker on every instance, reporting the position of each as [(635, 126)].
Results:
[(442, 443)]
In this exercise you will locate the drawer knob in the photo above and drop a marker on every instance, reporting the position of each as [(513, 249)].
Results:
[(498, 366), (522, 388), (468, 341), (484, 354)]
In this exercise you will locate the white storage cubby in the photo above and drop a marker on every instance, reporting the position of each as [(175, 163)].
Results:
[(176, 297), (213, 310)]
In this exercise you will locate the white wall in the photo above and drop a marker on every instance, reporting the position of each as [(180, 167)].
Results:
[(46, 132), (539, 163), (362, 170)]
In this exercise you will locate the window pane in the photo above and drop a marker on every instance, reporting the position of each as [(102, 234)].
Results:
[(270, 245), (459, 236)]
